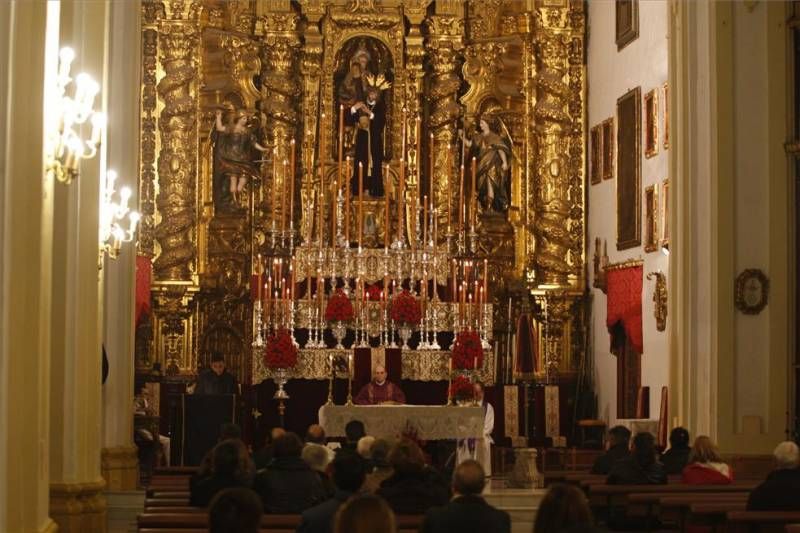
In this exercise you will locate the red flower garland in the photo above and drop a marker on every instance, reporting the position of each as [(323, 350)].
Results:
[(405, 309), (467, 350), (462, 388), (339, 307), (281, 351)]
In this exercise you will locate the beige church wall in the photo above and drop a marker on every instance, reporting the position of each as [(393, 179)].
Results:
[(611, 74)]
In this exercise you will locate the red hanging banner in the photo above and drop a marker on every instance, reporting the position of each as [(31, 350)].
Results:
[(144, 275), (624, 286)]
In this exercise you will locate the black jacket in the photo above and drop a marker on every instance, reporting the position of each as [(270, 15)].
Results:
[(319, 519), (210, 383), (629, 472), (602, 465), (675, 460), (203, 490), (779, 492), (466, 514), (288, 486), (414, 493)]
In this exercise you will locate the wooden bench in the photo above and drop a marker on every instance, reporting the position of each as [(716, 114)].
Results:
[(761, 521), (712, 514), (198, 521), (673, 508)]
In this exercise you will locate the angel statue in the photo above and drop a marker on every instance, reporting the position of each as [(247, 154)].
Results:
[(369, 117), (493, 154), (233, 158)]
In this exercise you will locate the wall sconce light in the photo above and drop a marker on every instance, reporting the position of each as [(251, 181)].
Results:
[(112, 214), (65, 146)]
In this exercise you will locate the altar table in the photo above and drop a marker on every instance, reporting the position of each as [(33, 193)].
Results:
[(431, 422)]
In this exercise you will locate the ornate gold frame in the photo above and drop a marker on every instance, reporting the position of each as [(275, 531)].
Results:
[(651, 124), (651, 219), (635, 238), (666, 116), (742, 281), (608, 148), (664, 197)]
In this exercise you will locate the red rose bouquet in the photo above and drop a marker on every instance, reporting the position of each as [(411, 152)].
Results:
[(281, 351), (467, 351), (339, 307), (373, 292), (405, 309), (462, 389)]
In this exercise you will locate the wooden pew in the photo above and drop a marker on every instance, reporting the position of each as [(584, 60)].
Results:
[(616, 495), (761, 521), (712, 514), (198, 521), (673, 508)]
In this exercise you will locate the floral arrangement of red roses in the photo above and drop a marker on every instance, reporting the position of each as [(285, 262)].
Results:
[(281, 351), (467, 351), (462, 388), (339, 307), (405, 309), (373, 292)]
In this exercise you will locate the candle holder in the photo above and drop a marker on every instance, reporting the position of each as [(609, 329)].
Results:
[(331, 377), (258, 342), (434, 344), (349, 402), (341, 239), (339, 331), (473, 240), (392, 344), (291, 324)]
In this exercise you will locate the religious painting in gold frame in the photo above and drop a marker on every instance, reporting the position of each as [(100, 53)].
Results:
[(629, 170), (627, 22), (608, 148), (596, 155), (651, 236), (664, 196), (651, 124), (666, 116)]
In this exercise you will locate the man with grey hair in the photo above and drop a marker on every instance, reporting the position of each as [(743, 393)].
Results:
[(380, 390), (781, 490), (317, 457)]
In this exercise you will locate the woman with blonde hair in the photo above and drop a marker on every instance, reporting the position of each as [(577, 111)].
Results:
[(706, 467), (365, 514)]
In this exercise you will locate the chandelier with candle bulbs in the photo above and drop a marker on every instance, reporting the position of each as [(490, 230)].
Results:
[(65, 144)]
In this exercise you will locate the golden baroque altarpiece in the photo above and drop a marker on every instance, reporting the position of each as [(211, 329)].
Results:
[(278, 63)]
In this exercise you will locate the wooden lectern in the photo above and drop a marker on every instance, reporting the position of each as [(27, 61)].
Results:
[(200, 417)]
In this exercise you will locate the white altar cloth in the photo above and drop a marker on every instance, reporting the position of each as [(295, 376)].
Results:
[(431, 422)]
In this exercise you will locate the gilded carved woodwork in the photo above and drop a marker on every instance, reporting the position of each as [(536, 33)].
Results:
[(276, 60), (176, 159)]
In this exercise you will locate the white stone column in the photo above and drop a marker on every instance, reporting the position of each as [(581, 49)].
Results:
[(27, 60), (76, 485), (119, 464)]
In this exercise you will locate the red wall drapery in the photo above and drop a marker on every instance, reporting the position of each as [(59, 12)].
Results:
[(144, 273), (624, 286), (526, 347)]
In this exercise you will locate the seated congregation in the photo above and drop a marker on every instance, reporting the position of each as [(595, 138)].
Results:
[(374, 485)]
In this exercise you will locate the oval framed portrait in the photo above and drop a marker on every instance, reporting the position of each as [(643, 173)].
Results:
[(752, 291)]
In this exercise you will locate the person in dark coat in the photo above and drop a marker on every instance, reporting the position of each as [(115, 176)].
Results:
[(677, 457), (618, 442), (468, 512), (348, 472), (217, 380), (288, 485), (563, 507), (353, 432), (230, 467), (641, 467), (781, 490), (235, 510), (413, 487)]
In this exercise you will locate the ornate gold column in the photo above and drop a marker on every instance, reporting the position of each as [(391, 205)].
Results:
[(280, 85), (26, 202), (444, 47), (413, 91), (174, 267), (558, 94)]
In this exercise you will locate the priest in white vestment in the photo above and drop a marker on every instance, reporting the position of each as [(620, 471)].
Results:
[(479, 449)]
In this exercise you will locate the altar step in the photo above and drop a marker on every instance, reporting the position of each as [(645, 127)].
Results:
[(521, 504)]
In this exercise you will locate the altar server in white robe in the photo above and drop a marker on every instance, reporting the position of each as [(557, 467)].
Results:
[(479, 449)]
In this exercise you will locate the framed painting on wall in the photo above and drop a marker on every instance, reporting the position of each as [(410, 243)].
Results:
[(651, 124), (666, 116), (650, 219), (595, 155), (665, 213), (608, 148), (629, 170), (627, 22)]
